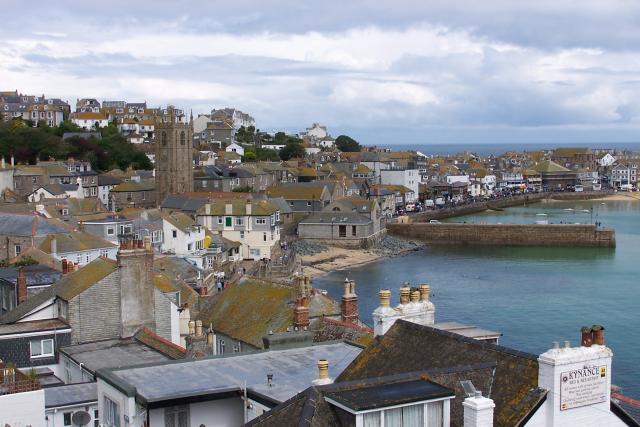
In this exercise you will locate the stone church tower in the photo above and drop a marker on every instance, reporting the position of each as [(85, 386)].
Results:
[(174, 157)]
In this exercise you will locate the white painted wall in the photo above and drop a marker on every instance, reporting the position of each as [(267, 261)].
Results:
[(22, 409), (214, 413), (410, 178), (6, 179), (85, 257), (54, 417)]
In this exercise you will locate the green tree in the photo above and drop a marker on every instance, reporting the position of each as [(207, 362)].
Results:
[(347, 144), (292, 150)]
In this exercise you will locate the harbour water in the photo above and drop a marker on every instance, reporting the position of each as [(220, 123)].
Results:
[(533, 295)]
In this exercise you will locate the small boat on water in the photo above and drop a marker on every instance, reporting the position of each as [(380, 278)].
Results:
[(568, 209), (541, 214), (542, 222)]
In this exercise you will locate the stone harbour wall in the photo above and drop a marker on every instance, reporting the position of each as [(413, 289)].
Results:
[(507, 234)]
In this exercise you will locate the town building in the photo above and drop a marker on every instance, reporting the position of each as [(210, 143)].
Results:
[(174, 163), (78, 247), (15, 105), (409, 178), (624, 176), (254, 224), (19, 232), (132, 194), (90, 120), (184, 237)]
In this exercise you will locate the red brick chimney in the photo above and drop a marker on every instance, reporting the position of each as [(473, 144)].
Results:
[(349, 306), (598, 334), (301, 314), (587, 336), (22, 286)]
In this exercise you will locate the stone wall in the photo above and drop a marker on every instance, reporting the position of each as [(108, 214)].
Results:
[(522, 200), (506, 234), (95, 313)]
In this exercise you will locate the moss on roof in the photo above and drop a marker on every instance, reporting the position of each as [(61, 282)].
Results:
[(249, 310), (149, 338), (239, 208), (297, 192), (73, 284), (180, 220), (74, 241), (131, 186), (547, 166)]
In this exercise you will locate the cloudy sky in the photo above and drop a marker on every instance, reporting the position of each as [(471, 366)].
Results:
[(383, 71)]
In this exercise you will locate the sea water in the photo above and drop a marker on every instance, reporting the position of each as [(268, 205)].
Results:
[(533, 295)]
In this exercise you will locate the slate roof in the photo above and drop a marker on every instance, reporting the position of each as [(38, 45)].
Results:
[(281, 204), (33, 326), (27, 225), (249, 310), (328, 218), (508, 376), (68, 287), (310, 408), (74, 241), (183, 202), (37, 275), (106, 179), (58, 189), (300, 191), (70, 394), (239, 208), (181, 221), (132, 186), (547, 166)]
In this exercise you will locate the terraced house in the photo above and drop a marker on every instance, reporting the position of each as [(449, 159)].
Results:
[(255, 224)]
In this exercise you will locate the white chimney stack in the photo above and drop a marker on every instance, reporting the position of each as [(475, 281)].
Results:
[(323, 373), (478, 411)]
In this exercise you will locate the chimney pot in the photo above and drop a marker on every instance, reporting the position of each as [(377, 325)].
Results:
[(198, 328), (405, 292), (415, 296), (192, 327), (210, 337), (598, 334), (587, 336), (323, 369), (385, 297), (555, 345), (567, 344), (424, 292)]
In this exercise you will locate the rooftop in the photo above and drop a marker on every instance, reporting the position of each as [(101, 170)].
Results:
[(292, 369), (113, 354), (70, 394)]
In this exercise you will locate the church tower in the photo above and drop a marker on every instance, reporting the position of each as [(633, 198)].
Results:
[(173, 137)]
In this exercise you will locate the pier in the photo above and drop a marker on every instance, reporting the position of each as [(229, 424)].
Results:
[(587, 235)]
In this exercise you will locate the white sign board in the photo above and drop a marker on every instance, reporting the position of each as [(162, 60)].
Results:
[(582, 387)]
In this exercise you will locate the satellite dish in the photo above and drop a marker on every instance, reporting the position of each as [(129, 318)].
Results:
[(81, 418)]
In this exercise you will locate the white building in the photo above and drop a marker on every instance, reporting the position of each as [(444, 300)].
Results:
[(90, 121), (6, 175), (253, 224), (458, 178), (317, 131), (606, 160), (235, 148), (78, 247), (409, 178), (624, 176), (184, 238)]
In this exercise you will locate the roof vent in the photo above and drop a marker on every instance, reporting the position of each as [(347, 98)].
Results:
[(469, 388)]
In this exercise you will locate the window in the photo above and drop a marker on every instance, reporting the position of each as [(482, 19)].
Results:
[(242, 234), (183, 138), (264, 237), (111, 413), (308, 203), (177, 416), (189, 246), (41, 348), (407, 416), (261, 220), (353, 230), (239, 220), (278, 216), (219, 220), (163, 138), (342, 230), (174, 233), (110, 231), (254, 253), (18, 249), (65, 212), (66, 418), (96, 418)]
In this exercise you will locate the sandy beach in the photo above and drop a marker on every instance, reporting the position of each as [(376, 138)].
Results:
[(335, 258), (620, 196)]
